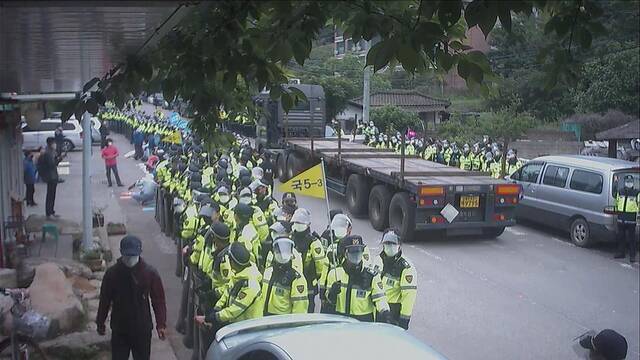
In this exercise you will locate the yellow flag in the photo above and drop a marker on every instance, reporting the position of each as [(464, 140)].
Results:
[(173, 138), (309, 183)]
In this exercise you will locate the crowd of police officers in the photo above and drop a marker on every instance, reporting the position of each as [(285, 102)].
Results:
[(244, 255), (485, 155)]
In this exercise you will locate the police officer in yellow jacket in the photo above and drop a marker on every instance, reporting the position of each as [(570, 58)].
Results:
[(399, 279), (314, 260), (284, 289), (353, 289), (241, 301), (627, 209)]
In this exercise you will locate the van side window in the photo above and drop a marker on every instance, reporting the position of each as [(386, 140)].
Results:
[(530, 172), (586, 181), (555, 176), (68, 126)]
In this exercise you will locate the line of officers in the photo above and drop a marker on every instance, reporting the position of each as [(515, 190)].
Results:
[(484, 155), (243, 255)]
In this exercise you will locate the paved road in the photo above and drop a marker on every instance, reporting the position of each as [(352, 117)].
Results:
[(525, 295)]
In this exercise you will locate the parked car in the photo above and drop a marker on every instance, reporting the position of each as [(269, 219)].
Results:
[(571, 193), (95, 125), (35, 138), (287, 337)]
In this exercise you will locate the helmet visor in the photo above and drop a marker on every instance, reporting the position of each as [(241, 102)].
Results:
[(283, 250), (354, 254)]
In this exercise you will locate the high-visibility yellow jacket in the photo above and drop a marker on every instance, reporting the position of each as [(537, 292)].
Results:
[(242, 300), (400, 281), (284, 291), (359, 298)]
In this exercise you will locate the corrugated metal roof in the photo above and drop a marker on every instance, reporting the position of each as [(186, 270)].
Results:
[(57, 46), (409, 100), (630, 130)]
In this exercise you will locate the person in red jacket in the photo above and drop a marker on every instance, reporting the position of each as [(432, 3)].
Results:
[(109, 154), (126, 289)]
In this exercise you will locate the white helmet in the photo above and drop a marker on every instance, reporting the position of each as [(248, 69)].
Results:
[(302, 216)]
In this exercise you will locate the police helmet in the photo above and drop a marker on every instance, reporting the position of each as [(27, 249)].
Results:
[(245, 181), (243, 210), (390, 237), (220, 231), (243, 172), (207, 210), (301, 216)]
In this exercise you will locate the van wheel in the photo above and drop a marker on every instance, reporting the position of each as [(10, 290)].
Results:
[(379, 200), (580, 233), (357, 194), (281, 167), (493, 232), (67, 145), (402, 216)]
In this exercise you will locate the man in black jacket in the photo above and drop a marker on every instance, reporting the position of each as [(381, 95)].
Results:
[(127, 288), (48, 170)]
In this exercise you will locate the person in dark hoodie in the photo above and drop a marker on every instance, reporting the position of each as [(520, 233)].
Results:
[(126, 289), (29, 177)]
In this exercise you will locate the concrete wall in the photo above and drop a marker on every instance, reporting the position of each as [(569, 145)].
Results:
[(529, 149), (11, 174)]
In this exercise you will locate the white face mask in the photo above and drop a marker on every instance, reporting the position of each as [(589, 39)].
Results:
[(297, 227), (224, 199), (130, 261), (391, 250), (245, 200), (628, 184), (340, 232)]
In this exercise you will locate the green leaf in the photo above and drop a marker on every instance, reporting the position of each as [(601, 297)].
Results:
[(275, 92), (444, 60), (90, 84), (456, 45), (408, 57), (429, 8), (449, 12), (504, 13), (464, 68), (287, 102), (480, 59), (298, 94), (472, 13)]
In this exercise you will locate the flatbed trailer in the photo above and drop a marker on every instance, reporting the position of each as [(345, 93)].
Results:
[(407, 193)]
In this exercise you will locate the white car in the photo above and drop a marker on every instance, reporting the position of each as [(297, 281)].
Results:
[(36, 138)]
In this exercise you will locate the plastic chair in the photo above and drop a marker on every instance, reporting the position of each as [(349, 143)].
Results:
[(52, 229)]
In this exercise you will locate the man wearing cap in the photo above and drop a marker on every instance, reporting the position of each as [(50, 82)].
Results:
[(289, 203), (606, 345), (399, 279), (263, 199), (284, 289), (353, 289), (241, 299), (314, 260), (126, 289)]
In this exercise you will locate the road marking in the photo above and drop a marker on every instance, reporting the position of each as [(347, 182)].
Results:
[(426, 252), (149, 208), (515, 232)]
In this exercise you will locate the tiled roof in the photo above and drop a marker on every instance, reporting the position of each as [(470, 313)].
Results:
[(410, 100), (629, 130)]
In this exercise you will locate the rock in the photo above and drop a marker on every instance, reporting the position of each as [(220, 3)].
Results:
[(116, 229), (26, 268), (78, 346), (81, 286), (52, 295), (8, 278)]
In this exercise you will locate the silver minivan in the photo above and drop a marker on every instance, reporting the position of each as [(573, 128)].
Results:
[(37, 137), (572, 192)]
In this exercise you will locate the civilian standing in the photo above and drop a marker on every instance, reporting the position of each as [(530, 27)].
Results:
[(29, 177), (109, 154), (138, 139), (126, 289), (104, 132), (48, 170), (58, 135)]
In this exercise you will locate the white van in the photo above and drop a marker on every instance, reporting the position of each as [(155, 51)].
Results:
[(36, 138)]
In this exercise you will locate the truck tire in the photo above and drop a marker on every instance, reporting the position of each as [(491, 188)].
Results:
[(493, 232), (294, 165), (379, 200), (281, 167), (402, 216), (357, 194)]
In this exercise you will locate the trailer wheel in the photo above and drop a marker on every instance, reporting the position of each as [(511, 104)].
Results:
[(281, 167), (357, 194), (379, 200), (294, 165), (493, 232), (402, 215)]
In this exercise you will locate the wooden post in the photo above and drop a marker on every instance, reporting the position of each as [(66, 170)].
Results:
[(613, 149)]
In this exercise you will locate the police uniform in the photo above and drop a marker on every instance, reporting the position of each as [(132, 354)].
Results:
[(626, 205)]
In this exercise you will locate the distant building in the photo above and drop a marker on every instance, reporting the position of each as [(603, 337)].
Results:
[(431, 110), (345, 45)]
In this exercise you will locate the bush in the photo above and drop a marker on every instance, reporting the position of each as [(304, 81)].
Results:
[(390, 119), (594, 123)]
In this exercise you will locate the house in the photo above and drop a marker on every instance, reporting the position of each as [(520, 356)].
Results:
[(431, 110), (621, 135)]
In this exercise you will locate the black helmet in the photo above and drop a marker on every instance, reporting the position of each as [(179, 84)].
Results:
[(223, 163), (207, 211), (349, 241), (245, 181), (239, 254), (221, 231), (244, 210), (243, 171), (195, 177)]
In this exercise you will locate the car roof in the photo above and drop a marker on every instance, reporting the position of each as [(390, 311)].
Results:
[(371, 341), (591, 162)]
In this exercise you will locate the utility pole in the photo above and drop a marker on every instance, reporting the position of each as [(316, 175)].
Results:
[(366, 95)]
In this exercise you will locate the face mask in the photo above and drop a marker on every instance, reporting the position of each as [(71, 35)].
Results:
[(297, 227), (354, 257), (130, 261), (340, 232), (390, 250), (224, 199), (244, 200)]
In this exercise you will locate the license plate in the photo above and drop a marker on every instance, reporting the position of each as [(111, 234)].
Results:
[(469, 201)]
